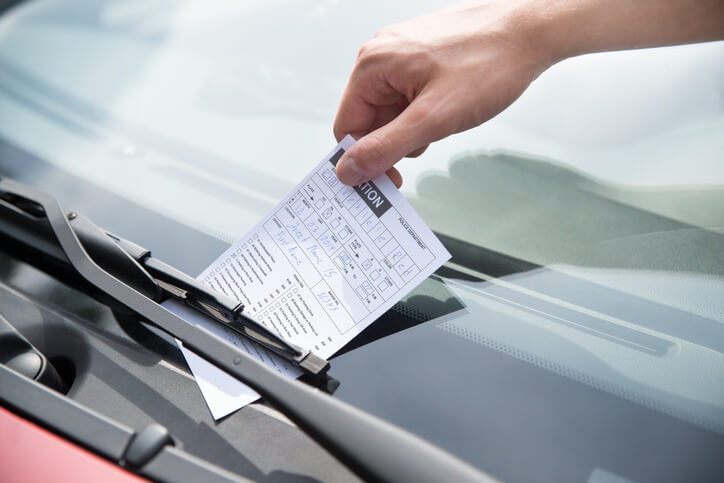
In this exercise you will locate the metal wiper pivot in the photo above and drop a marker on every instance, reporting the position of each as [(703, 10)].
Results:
[(375, 450)]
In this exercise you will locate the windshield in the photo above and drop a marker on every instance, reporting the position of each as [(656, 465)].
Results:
[(586, 222)]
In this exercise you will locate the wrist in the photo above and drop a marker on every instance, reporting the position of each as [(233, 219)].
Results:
[(554, 30), (543, 31)]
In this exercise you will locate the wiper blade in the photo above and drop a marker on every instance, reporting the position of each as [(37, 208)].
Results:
[(164, 281), (373, 449), (136, 267), (231, 313)]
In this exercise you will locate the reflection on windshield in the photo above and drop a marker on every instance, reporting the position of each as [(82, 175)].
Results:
[(634, 358), (545, 213), (541, 222)]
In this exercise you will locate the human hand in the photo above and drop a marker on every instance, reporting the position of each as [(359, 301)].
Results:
[(421, 80), (424, 79)]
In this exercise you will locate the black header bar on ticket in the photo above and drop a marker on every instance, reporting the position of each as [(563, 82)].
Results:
[(335, 157), (373, 197)]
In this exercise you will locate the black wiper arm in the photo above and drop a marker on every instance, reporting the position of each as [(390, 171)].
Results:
[(164, 281), (136, 267), (370, 447)]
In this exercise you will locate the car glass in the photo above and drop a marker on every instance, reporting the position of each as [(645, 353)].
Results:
[(586, 221)]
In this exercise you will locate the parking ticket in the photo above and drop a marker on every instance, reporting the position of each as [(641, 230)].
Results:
[(323, 265)]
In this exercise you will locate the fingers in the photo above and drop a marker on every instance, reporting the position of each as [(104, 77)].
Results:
[(417, 152), (366, 104), (382, 116), (395, 177), (409, 133), (355, 116)]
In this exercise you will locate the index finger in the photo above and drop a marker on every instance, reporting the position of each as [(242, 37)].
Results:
[(364, 95), (354, 116)]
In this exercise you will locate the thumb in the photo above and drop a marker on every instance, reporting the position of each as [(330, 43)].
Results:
[(378, 151)]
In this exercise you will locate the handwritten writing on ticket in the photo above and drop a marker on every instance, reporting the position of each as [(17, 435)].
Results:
[(324, 264)]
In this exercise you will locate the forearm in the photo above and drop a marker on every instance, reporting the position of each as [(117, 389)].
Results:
[(566, 28)]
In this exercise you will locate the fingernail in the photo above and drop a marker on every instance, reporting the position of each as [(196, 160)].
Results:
[(350, 172)]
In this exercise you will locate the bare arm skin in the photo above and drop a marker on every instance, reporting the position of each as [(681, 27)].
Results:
[(427, 78)]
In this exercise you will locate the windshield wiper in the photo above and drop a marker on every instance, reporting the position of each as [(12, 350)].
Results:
[(372, 448), (134, 265)]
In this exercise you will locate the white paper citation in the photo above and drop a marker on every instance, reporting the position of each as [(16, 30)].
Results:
[(323, 265)]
